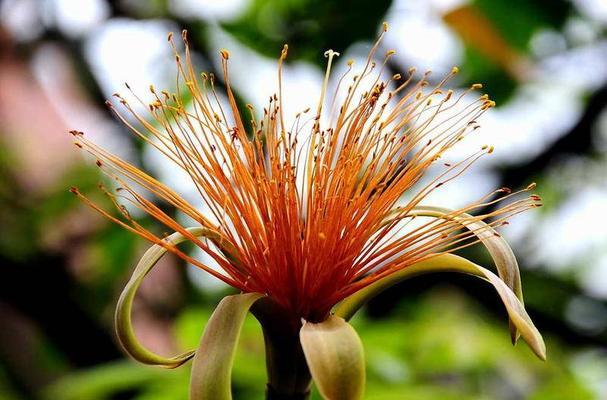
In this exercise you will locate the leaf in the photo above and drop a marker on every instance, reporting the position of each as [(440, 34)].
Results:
[(498, 248), (335, 357), (101, 381), (212, 365), (122, 317), (452, 263)]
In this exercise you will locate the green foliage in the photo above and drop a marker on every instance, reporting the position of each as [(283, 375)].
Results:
[(309, 26), (517, 20), (442, 348)]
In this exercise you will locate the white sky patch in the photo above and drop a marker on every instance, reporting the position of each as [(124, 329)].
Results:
[(131, 51), (463, 190), (547, 42), (21, 18), (538, 114), (256, 77), (573, 232), (78, 17), (594, 278), (581, 69), (420, 37), (444, 6), (581, 31), (223, 10), (590, 367), (51, 69), (518, 233), (202, 279), (593, 9)]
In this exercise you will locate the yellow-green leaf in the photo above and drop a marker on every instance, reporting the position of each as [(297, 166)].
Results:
[(335, 357), (452, 263), (212, 365)]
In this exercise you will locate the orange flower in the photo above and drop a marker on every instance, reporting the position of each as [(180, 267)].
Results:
[(306, 210)]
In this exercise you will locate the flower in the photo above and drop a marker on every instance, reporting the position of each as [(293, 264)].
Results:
[(308, 211)]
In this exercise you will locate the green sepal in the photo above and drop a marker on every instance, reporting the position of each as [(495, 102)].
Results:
[(452, 263), (496, 245), (212, 365), (335, 358), (122, 317)]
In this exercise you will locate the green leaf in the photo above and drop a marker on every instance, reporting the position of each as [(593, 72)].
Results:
[(212, 365), (122, 317), (101, 382), (452, 263), (498, 248), (335, 357)]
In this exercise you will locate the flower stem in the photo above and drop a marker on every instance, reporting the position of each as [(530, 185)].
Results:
[(288, 374)]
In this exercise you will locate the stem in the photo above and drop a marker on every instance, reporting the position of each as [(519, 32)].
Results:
[(288, 374)]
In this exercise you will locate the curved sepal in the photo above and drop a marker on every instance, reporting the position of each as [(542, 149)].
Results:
[(122, 317), (212, 365), (335, 357), (452, 263), (496, 245)]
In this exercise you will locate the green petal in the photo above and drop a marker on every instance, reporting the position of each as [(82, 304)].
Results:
[(212, 366), (498, 248), (452, 263), (335, 357), (122, 317)]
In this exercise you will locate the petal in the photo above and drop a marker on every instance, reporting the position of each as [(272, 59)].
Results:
[(335, 357), (212, 365), (122, 317), (452, 263), (498, 248)]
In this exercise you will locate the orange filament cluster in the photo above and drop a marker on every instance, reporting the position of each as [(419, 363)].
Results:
[(306, 212)]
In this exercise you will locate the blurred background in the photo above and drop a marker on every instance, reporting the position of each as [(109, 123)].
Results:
[(437, 337)]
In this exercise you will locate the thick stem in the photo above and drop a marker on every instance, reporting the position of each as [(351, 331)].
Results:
[(288, 374)]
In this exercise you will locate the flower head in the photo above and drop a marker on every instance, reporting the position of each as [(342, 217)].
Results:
[(307, 209)]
